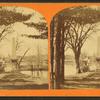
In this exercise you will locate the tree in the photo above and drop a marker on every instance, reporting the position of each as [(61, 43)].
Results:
[(19, 44), (20, 60), (42, 27), (57, 52), (9, 17), (70, 27), (52, 74), (79, 23)]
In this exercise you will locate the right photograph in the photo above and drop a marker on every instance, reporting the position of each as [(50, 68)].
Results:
[(75, 48)]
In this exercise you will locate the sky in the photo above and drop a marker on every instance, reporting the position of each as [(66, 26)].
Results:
[(18, 29)]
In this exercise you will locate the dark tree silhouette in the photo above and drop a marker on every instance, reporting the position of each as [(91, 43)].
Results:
[(57, 52), (80, 23), (42, 27), (52, 75), (9, 17)]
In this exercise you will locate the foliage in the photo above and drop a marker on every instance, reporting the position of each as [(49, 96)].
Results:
[(8, 17), (42, 27), (77, 26)]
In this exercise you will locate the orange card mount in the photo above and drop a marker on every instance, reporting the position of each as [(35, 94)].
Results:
[(27, 58)]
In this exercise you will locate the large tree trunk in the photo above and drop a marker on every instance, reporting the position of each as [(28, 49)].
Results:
[(62, 66), (62, 49), (52, 76), (57, 53), (77, 60)]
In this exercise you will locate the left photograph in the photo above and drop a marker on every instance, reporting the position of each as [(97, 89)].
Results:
[(23, 49)]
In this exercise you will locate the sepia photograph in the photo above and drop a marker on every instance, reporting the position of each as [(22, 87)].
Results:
[(23, 49), (75, 48)]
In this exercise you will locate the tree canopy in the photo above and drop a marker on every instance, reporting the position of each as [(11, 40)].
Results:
[(8, 17), (42, 27), (81, 14), (79, 23)]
